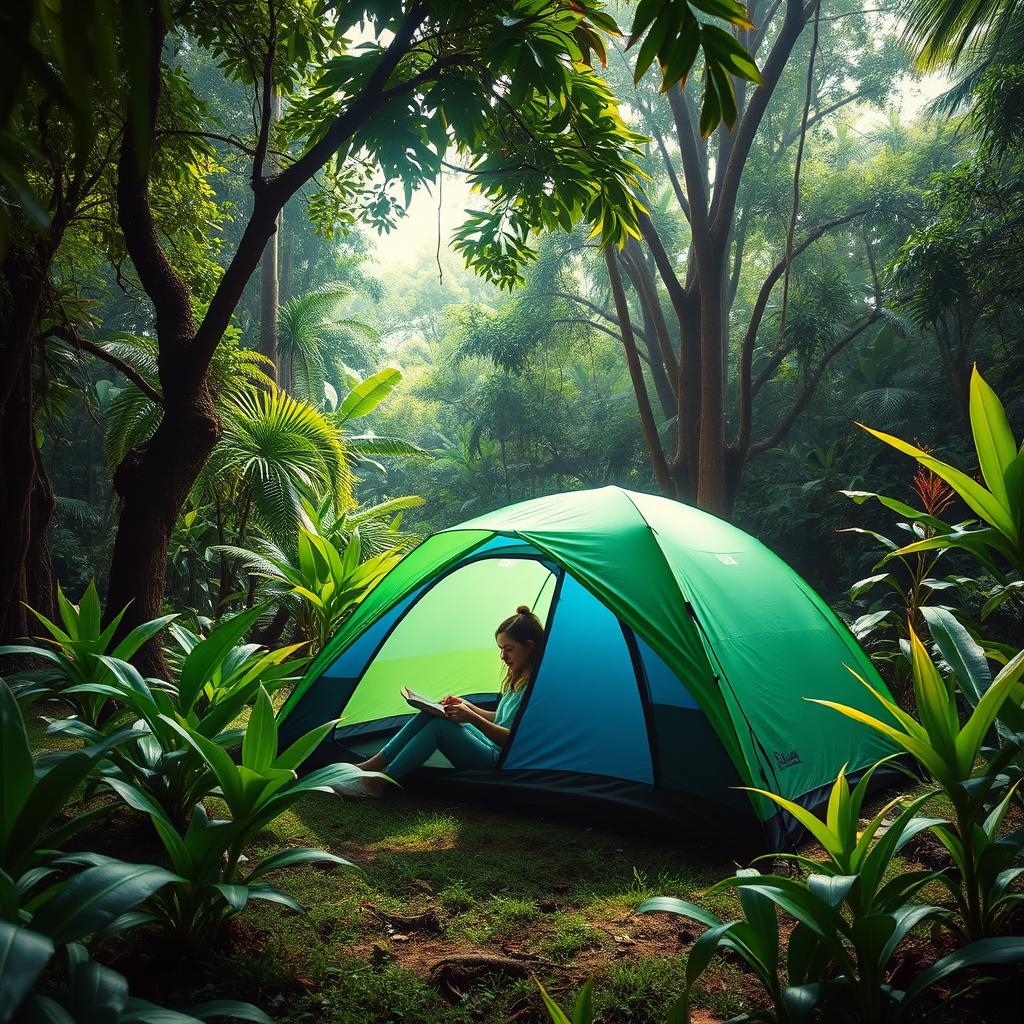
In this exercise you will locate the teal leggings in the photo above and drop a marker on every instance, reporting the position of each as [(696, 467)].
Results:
[(413, 744)]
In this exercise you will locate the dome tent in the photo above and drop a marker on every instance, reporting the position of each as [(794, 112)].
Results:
[(679, 650)]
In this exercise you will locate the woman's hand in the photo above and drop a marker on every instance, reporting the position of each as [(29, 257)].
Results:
[(458, 710)]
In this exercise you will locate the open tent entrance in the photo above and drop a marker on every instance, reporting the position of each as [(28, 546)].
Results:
[(440, 641)]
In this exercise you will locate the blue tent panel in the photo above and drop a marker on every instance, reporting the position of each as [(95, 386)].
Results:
[(584, 712), (663, 684)]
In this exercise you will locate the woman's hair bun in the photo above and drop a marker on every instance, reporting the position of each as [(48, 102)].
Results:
[(524, 609)]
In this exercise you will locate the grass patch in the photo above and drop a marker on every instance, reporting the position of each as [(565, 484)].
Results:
[(486, 884), (573, 935)]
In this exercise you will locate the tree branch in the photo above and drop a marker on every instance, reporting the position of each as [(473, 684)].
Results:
[(747, 389), (692, 172), (727, 183), (594, 308), (791, 227), (655, 131), (276, 191), (175, 322), (812, 383), (647, 292), (266, 108), (599, 327), (228, 140), (762, 30), (67, 333), (819, 115), (662, 260), (636, 374)]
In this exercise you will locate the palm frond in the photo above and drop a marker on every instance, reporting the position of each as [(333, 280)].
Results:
[(76, 510), (274, 445), (395, 447), (384, 508), (943, 30)]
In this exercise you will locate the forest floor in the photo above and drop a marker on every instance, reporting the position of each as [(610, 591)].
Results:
[(449, 914)]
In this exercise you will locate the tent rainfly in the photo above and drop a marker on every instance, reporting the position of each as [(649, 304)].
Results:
[(679, 652)]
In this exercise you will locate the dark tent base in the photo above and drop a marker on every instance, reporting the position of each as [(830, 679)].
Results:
[(621, 805)]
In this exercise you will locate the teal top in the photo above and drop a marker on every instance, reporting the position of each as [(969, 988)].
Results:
[(504, 715), (507, 707)]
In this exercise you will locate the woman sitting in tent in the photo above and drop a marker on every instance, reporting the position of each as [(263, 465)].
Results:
[(469, 736)]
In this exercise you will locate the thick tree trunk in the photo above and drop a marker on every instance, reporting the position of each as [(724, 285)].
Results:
[(26, 498), (26, 505), (153, 484)]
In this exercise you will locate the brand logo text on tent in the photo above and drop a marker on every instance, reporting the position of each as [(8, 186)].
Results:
[(786, 760)]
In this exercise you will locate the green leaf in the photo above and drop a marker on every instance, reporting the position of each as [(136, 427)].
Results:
[(99, 990), (296, 855), (728, 10), (554, 1010), (46, 800), (365, 397), (828, 839), (17, 776), (832, 889), (1003, 950), (671, 905), (93, 898), (229, 1008), (965, 657), (861, 586), (236, 895), (89, 613), (993, 438), (649, 50), (227, 774), (260, 743), (936, 706), (127, 648), (972, 735), (304, 746), (711, 110), (23, 955), (583, 1007), (206, 657), (704, 949)]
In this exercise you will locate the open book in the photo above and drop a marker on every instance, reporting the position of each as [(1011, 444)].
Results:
[(417, 700)]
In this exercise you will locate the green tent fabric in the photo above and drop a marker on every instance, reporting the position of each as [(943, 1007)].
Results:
[(724, 624)]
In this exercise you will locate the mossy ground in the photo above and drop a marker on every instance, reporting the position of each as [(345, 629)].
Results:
[(556, 900)]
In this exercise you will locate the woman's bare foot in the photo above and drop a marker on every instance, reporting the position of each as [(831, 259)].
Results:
[(377, 763), (360, 784), (374, 785)]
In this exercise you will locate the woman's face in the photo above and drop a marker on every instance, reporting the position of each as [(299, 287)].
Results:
[(515, 654)]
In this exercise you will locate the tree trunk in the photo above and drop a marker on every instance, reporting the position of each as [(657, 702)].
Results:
[(636, 374), (154, 481), (26, 505), (153, 484), (270, 283), (26, 498), (711, 490)]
